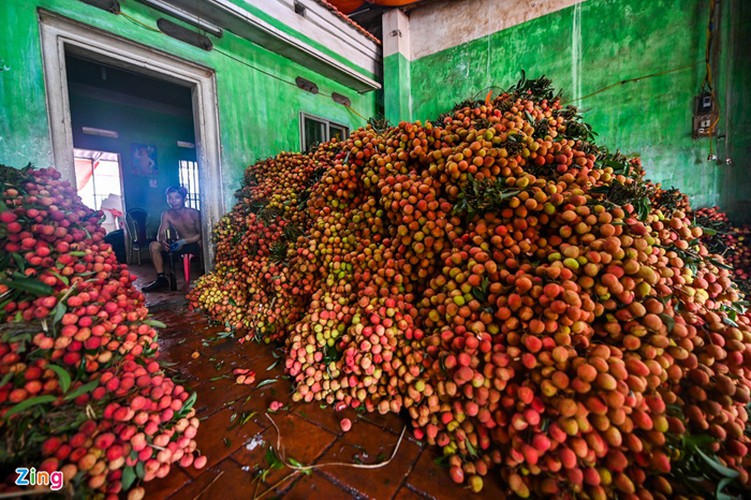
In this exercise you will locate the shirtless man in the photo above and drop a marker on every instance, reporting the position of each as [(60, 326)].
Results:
[(186, 222)]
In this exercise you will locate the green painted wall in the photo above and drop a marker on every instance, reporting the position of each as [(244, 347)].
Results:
[(136, 125), (259, 104), (617, 40), (397, 94), (736, 86)]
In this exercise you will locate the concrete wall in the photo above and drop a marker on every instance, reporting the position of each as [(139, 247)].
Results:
[(259, 105), (461, 49)]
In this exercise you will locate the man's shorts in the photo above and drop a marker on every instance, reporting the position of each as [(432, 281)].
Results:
[(191, 248)]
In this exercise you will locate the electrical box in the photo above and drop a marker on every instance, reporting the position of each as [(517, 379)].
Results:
[(705, 116)]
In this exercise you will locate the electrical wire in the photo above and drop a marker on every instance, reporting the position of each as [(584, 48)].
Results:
[(707, 85), (635, 79), (137, 22)]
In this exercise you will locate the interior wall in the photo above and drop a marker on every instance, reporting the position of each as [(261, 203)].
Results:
[(259, 104), (633, 68)]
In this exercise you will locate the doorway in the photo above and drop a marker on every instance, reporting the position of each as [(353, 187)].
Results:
[(62, 37)]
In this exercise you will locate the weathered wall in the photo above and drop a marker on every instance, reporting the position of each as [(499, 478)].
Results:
[(587, 49), (460, 22), (259, 104), (735, 87)]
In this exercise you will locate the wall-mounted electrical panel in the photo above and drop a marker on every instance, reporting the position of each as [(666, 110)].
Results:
[(705, 116)]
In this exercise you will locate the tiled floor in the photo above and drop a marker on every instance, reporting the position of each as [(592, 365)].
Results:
[(236, 434)]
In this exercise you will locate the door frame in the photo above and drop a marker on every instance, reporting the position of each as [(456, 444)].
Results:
[(60, 35)]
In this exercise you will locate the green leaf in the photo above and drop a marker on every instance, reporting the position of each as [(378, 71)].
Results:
[(266, 382), (303, 468), (20, 261), (226, 442), (272, 459), (729, 322), (82, 390), (247, 417), (58, 313), (23, 405), (471, 449), (140, 470), (697, 440), (721, 485), (29, 285), (62, 375), (6, 378), (188, 404), (479, 294), (272, 365), (668, 320), (154, 323), (723, 471), (129, 475), (59, 276)]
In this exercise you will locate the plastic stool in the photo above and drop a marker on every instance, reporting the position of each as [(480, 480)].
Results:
[(186, 269), (186, 266)]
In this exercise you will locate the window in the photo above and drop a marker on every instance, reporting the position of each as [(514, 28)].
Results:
[(99, 185), (316, 130), (189, 180)]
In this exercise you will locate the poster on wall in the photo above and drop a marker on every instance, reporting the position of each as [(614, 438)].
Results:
[(144, 160)]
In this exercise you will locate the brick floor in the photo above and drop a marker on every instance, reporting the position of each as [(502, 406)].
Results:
[(235, 434)]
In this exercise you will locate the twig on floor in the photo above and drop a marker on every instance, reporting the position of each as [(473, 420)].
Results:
[(328, 464), (209, 485), (274, 486), (296, 469)]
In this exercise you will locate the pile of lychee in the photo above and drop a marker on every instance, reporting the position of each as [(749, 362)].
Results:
[(540, 311), (80, 388)]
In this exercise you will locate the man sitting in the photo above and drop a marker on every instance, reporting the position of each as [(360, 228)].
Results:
[(186, 222)]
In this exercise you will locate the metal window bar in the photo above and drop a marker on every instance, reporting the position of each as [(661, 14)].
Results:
[(189, 179)]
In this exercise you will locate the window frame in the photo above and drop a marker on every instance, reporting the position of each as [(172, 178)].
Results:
[(328, 123)]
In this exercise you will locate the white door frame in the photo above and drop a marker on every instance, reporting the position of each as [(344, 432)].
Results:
[(60, 34)]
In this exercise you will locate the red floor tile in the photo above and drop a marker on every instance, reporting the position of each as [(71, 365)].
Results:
[(297, 440), (162, 488), (405, 493), (226, 480), (219, 436), (316, 485), (368, 444)]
